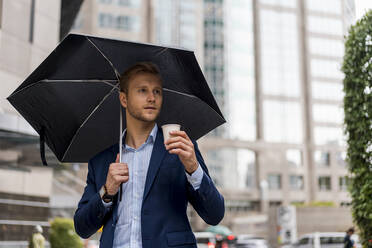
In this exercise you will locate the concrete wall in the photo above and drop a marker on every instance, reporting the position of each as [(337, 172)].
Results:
[(34, 181), (19, 56)]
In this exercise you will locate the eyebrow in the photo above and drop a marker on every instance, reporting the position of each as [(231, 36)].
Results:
[(145, 86)]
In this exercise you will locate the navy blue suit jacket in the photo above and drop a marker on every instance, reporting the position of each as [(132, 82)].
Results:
[(164, 222)]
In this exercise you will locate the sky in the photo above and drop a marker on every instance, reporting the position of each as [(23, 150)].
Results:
[(361, 6)]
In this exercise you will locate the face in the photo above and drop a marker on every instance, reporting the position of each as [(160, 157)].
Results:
[(144, 97)]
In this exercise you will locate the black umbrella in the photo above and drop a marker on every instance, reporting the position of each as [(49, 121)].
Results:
[(72, 100)]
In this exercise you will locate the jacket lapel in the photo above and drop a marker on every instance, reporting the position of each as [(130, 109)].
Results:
[(157, 156)]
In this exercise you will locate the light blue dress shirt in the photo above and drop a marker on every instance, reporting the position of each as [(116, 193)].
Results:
[(128, 227)]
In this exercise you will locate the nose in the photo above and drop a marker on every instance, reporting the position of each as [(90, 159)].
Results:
[(151, 97)]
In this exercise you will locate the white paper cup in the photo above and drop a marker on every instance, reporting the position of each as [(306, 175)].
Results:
[(168, 128)]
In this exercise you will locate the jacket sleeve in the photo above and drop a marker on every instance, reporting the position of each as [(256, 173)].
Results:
[(91, 212), (206, 200)]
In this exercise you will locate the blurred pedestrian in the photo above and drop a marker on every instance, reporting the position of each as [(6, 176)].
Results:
[(37, 239), (348, 242)]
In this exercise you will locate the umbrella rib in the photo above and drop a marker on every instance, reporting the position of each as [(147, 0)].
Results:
[(188, 95), (181, 93), (66, 81), (81, 81), (117, 74), (86, 119)]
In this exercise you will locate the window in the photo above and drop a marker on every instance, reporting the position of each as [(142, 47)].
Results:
[(329, 113), (329, 6), (326, 69), (322, 158), (105, 20), (344, 183), (127, 23), (325, 25), (328, 136), (282, 121), (123, 22), (280, 56), (341, 158), (324, 183), (322, 46), (286, 3), (296, 182), (331, 241), (240, 172), (327, 91), (304, 241), (294, 157), (275, 181), (124, 2)]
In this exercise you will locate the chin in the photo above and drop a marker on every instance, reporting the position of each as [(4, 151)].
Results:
[(149, 119)]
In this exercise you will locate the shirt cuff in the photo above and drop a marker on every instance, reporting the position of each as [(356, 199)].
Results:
[(196, 177), (106, 204)]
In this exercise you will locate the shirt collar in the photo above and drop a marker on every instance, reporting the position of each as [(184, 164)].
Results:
[(151, 137)]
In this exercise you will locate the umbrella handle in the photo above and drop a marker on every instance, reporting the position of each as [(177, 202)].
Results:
[(42, 145), (120, 148)]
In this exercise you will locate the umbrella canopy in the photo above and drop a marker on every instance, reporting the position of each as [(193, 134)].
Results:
[(72, 101), (219, 229)]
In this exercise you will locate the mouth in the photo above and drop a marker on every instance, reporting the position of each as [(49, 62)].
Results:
[(153, 108)]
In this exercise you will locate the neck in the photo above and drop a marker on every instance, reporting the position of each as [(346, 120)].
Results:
[(137, 132)]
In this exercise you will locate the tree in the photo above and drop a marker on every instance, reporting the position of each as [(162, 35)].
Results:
[(357, 67), (62, 234)]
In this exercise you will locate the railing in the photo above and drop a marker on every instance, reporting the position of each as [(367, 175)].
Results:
[(18, 244)]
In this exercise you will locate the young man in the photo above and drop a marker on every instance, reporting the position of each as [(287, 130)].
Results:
[(159, 177)]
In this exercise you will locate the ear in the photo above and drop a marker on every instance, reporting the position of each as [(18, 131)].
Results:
[(123, 99)]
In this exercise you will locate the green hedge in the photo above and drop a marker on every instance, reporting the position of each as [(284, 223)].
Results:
[(62, 234), (357, 67)]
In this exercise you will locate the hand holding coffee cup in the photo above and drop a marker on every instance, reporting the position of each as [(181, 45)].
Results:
[(180, 144)]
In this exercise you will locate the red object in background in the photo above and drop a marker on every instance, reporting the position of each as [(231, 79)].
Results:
[(211, 245), (224, 245), (231, 237)]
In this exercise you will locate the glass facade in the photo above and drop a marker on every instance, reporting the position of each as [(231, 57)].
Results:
[(236, 170), (214, 55), (326, 7), (282, 121), (284, 3), (176, 23), (327, 91), (326, 47), (240, 70), (329, 113), (324, 25), (280, 67)]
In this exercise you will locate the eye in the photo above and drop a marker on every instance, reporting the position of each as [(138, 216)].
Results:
[(142, 90), (157, 92)]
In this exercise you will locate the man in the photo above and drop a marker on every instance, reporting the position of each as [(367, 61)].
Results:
[(37, 239), (159, 177), (348, 242)]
